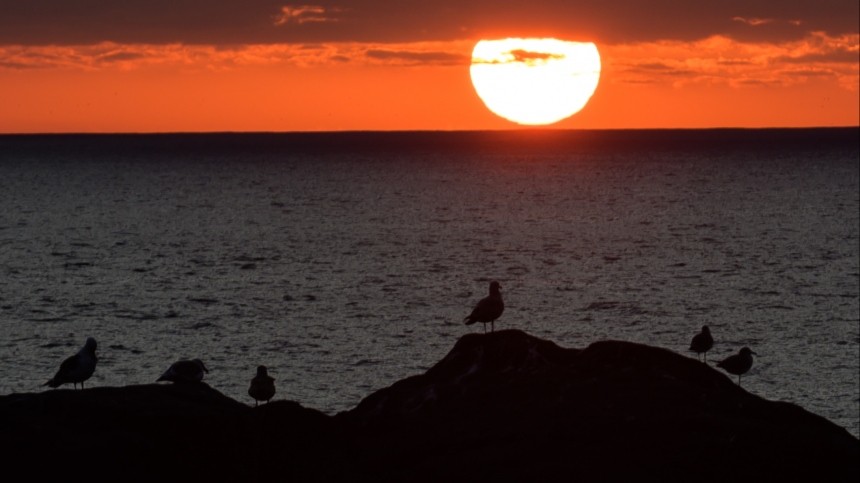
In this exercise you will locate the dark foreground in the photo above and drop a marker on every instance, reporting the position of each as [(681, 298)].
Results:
[(499, 407)]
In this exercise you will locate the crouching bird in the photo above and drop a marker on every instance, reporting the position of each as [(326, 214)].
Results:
[(184, 371)]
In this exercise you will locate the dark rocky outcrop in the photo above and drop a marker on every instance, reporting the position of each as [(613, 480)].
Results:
[(499, 407)]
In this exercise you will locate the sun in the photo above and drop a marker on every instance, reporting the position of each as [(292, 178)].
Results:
[(535, 81)]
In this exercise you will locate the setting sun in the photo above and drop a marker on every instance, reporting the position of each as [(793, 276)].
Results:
[(535, 81)]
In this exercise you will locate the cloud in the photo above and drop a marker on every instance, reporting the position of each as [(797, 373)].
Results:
[(838, 56), (410, 57), (291, 14), (722, 60), (520, 55), (755, 22), (109, 55), (237, 22), (532, 58), (121, 56)]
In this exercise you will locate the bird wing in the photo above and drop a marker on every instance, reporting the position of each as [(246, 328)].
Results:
[(696, 342), (480, 308), (70, 364), (67, 367), (170, 373)]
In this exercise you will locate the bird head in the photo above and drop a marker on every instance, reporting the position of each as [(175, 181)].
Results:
[(262, 371), (200, 364)]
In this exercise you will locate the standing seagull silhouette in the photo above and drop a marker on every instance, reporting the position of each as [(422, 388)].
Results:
[(262, 386), (739, 363), (77, 368), (488, 309), (702, 342)]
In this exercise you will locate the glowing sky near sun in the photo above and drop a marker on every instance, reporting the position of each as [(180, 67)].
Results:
[(161, 65)]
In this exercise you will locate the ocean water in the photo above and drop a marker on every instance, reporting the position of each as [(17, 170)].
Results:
[(346, 261)]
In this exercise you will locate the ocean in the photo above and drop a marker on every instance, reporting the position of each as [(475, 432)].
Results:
[(345, 262)]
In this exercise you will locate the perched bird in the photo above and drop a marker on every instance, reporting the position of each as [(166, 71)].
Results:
[(184, 371), (488, 309), (262, 386), (739, 363), (702, 342), (77, 368)]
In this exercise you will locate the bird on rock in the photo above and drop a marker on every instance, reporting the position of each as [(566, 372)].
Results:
[(702, 342), (488, 309), (77, 368), (262, 386), (739, 363), (184, 371)]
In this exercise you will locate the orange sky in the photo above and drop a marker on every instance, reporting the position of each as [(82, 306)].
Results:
[(361, 65)]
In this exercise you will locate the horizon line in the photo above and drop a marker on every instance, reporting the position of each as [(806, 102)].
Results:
[(396, 131)]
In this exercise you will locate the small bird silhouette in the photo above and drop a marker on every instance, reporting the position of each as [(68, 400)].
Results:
[(184, 371), (77, 368), (262, 386), (488, 309), (739, 363), (702, 342)]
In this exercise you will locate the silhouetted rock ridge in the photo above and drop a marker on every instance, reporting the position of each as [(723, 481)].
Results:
[(502, 406)]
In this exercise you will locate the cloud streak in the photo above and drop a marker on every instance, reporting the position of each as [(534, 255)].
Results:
[(721, 60), (413, 57), (110, 55), (301, 14), (532, 58), (717, 60)]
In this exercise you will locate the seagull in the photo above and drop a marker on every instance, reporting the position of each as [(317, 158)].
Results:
[(184, 371), (488, 309), (702, 342), (77, 368), (739, 363), (262, 386)]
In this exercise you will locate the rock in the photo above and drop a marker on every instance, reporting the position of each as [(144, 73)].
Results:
[(503, 406), (159, 432), (506, 406)]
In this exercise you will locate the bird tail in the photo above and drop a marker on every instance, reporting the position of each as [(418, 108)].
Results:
[(51, 383), (469, 320)]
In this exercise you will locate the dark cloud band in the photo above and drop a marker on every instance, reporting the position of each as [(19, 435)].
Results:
[(232, 22)]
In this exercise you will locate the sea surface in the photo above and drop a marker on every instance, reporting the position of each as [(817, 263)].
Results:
[(347, 261)]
